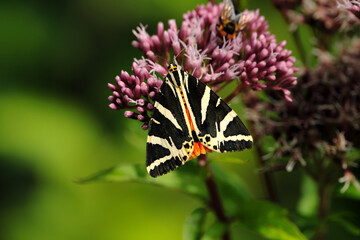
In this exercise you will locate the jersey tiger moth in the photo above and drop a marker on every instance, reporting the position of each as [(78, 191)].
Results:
[(190, 119)]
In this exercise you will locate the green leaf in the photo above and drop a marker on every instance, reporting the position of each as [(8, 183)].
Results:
[(215, 231), (228, 159), (351, 192), (232, 190), (341, 219), (194, 224), (121, 173), (241, 232), (269, 144), (353, 154), (186, 178), (269, 220), (308, 203)]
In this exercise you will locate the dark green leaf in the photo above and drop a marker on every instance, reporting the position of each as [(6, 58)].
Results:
[(186, 178), (215, 231), (342, 219), (241, 232), (229, 159), (308, 203), (194, 224), (269, 144), (353, 154), (231, 189), (351, 192), (269, 220)]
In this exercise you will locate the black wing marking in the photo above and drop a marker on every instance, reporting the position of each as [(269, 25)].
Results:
[(217, 126), (169, 143)]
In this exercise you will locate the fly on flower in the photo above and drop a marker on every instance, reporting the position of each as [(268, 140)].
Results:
[(189, 119), (230, 22)]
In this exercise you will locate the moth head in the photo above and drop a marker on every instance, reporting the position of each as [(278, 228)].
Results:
[(172, 68)]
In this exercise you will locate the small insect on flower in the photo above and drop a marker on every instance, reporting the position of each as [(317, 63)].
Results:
[(230, 22), (189, 119)]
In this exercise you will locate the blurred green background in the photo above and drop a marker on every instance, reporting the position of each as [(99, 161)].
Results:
[(56, 58)]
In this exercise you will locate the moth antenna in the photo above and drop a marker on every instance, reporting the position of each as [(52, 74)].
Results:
[(177, 57), (181, 52), (163, 61), (176, 63)]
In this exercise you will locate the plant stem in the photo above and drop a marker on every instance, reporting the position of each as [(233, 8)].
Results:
[(324, 200), (266, 175), (321, 233), (215, 201)]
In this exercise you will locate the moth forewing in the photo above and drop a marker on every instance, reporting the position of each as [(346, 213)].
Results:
[(217, 126), (168, 133), (190, 119)]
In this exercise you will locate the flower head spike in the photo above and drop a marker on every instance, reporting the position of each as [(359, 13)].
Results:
[(212, 76), (136, 92), (324, 117), (252, 57), (329, 14), (195, 59), (145, 42), (350, 5)]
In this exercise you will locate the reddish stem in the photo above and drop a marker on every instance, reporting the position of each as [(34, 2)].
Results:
[(215, 200)]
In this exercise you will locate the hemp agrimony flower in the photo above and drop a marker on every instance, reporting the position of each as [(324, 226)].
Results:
[(348, 179), (324, 116), (327, 15), (351, 5), (253, 58)]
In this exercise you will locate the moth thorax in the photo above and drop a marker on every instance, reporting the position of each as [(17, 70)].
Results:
[(176, 78)]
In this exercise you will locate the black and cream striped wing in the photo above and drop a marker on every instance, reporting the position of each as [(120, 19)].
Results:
[(169, 143), (217, 126)]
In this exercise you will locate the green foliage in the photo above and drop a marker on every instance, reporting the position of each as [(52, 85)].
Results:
[(215, 231), (351, 193), (187, 179), (56, 59), (194, 224), (308, 202), (43, 148), (264, 218), (346, 221), (269, 220), (232, 190), (227, 159)]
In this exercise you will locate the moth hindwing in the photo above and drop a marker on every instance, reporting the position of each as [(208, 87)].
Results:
[(189, 119)]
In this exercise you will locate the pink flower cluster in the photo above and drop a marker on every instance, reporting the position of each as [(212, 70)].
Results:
[(131, 91), (253, 58), (350, 5)]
